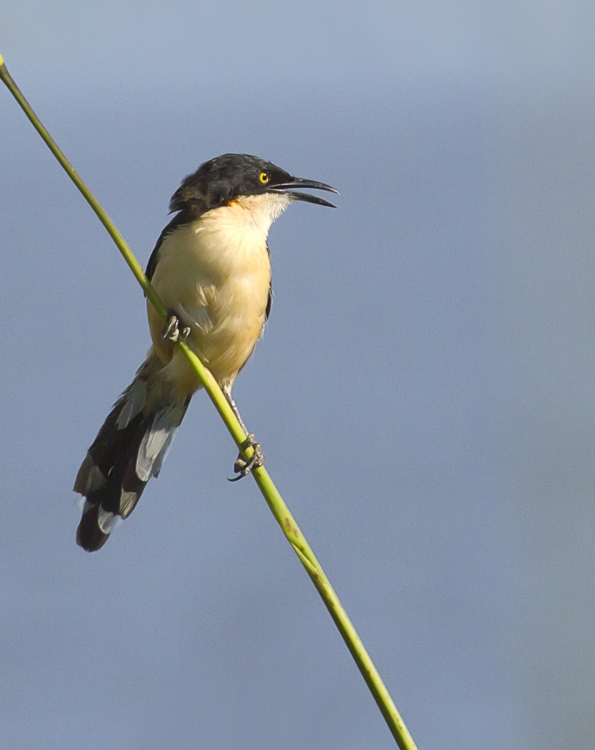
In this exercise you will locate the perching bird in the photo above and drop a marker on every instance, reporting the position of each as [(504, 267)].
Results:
[(211, 269)]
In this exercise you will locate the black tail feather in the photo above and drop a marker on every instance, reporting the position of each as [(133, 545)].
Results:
[(109, 476), (88, 535)]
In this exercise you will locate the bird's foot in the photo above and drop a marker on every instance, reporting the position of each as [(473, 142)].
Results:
[(173, 332), (243, 466)]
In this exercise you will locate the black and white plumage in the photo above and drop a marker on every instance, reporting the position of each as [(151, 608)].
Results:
[(211, 268)]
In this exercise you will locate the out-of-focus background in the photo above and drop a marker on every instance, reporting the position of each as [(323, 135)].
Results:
[(425, 391)]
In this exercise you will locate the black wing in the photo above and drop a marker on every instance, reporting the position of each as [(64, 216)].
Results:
[(267, 311)]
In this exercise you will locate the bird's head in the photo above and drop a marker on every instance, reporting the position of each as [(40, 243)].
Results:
[(233, 177)]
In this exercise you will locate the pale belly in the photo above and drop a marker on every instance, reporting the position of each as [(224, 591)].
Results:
[(220, 291)]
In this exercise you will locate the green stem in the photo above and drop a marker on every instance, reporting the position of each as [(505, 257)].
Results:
[(260, 474)]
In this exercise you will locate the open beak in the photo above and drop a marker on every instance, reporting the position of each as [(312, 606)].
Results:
[(299, 182)]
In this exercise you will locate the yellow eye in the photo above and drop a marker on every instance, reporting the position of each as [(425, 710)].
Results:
[(264, 177)]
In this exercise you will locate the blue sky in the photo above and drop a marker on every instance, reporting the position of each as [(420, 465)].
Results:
[(423, 393)]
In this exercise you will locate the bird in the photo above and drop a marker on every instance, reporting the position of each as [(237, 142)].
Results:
[(211, 269)]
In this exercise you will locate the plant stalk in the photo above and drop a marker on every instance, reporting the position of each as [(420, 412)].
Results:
[(260, 474)]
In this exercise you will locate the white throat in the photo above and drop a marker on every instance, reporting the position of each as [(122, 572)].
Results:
[(258, 210)]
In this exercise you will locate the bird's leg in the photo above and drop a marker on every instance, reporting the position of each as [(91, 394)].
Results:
[(242, 467), (229, 398), (173, 332)]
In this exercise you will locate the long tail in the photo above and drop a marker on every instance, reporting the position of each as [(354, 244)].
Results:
[(128, 450)]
